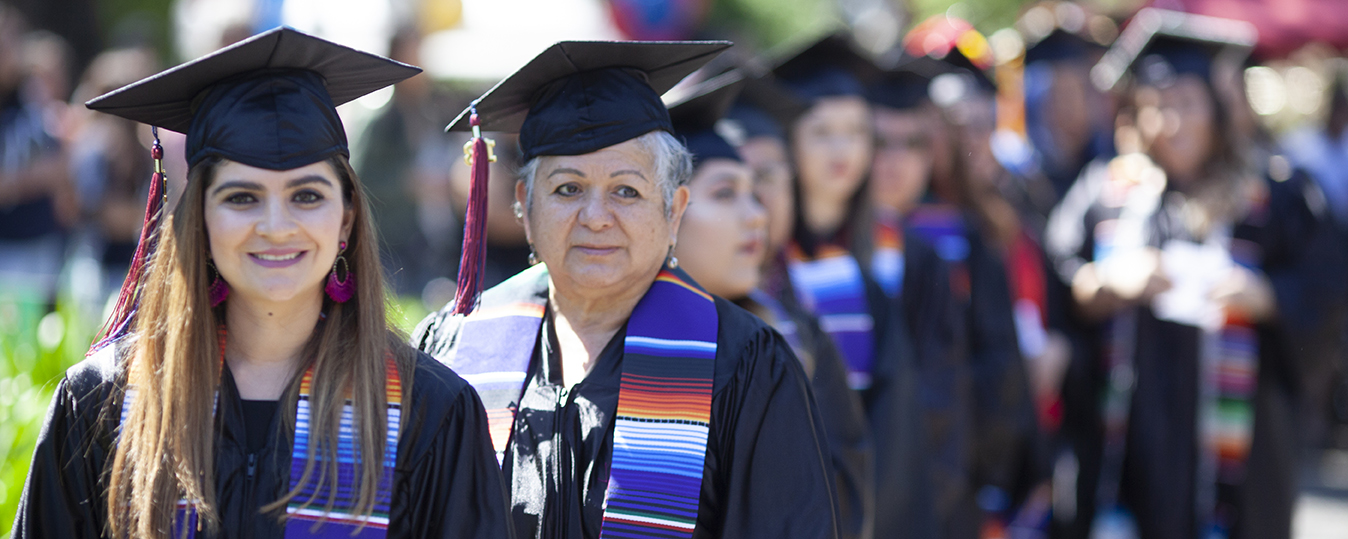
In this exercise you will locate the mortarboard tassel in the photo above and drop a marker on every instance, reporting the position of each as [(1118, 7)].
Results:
[(119, 322), (474, 252)]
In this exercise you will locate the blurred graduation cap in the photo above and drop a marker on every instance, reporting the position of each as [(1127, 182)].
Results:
[(1161, 45), (696, 115), (267, 101), (906, 84), (574, 98), (831, 66), (1061, 45), (957, 44), (763, 108), (577, 97)]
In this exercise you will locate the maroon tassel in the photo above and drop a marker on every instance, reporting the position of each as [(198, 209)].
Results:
[(474, 252), (119, 323)]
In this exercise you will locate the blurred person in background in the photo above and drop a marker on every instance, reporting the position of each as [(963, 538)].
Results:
[(110, 164), (404, 155), (1189, 264), (828, 259), (723, 238), (995, 274), (36, 198), (910, 271)]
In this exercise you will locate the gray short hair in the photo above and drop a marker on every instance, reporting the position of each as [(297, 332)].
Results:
[(673, 168)]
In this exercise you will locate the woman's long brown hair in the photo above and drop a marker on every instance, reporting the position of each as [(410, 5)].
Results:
[(165, 448)]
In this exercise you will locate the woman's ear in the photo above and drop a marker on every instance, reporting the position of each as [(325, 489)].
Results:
[(677, 206), (521, 209), (348, 221)]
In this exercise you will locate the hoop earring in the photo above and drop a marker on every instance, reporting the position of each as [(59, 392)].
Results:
[(218, 291), (671, 260), (533, 256), (341, 290)]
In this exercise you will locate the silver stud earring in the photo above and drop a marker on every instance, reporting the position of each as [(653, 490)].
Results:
[(673, 261), (533, 256)]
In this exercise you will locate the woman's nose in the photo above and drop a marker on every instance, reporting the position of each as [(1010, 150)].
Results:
[(755, 214), (595, 213), (277, 219)]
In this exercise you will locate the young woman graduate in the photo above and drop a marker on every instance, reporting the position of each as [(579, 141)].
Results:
[(1188, 263), (250, 385), (828, 263), (722, 244), (625, 401)]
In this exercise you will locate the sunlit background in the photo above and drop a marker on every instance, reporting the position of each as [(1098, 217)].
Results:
[(467, 45)]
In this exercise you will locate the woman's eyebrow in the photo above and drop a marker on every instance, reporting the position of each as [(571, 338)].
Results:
[(627, 171), (236, 184), (312, 178), (570, 171)]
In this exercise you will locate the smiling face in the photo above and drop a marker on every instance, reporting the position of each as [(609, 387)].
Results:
[(832, 144), (721, 240), (274, 234), (599, 220)]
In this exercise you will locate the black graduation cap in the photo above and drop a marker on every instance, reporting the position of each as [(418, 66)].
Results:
[(762, 108), (906, 84), (695, 116), (1061, 45), (267, 101), (830, 66), (962, 64), (577, 97), (1160, 45)]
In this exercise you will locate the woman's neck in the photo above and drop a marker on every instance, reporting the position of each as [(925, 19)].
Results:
[(264, 343), (584, 324), (823, 217)]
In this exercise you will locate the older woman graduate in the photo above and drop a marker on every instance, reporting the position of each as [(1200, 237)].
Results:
[(722, 244), (1190, 267), (625, 400), (251, 385)]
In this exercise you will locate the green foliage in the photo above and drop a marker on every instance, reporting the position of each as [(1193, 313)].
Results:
[(35, 349), (773, 22), (986, 15)]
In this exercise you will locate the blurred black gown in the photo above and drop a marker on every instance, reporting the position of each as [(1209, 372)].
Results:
[(1159, 469), (766, 472), (446, 482)]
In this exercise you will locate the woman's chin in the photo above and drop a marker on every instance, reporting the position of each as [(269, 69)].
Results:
[(598, 275)]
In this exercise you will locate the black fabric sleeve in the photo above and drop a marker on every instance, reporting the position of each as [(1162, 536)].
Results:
[(767, 471), (451, 486)]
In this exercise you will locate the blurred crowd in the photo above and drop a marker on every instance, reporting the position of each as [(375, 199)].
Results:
[(1021, 137)]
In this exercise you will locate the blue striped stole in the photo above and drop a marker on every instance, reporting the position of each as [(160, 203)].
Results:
[(831, 287), (307, 514), (664, 399)]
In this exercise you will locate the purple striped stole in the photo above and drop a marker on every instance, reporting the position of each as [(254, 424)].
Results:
[(664, 400), (831, 286), (307, 514)]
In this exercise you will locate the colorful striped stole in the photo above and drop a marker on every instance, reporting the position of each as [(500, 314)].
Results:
[(664, 400), (943, 226), (831, 286), (306, 513), (887, 257)]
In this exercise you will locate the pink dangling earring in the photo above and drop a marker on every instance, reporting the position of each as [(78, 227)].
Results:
[(219, 290), (341, 290)]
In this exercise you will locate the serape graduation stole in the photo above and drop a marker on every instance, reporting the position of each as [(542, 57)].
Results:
[(831, 286), (664, 400), (307, 509), (887, 257), (943, 226)]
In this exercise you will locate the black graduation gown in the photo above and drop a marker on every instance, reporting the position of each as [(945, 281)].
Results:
[(766, 472), (446, 481), (1161, 449), (1004, 425), (936, 323), (851, 450)]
